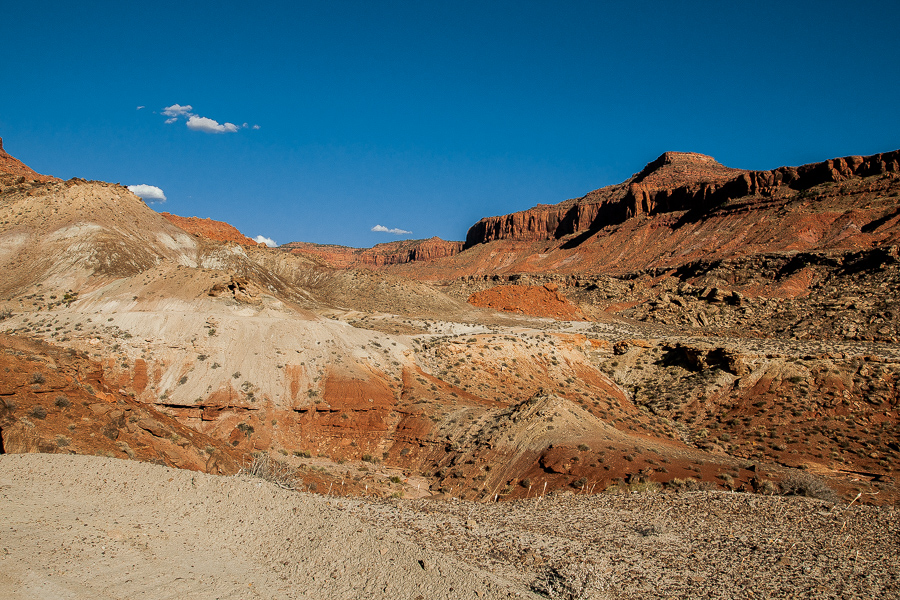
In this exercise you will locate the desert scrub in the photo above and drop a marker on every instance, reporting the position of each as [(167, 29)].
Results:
[(38, 378), (38, 412), (62, 402), (273, 471), (643, 487), (798, 483)]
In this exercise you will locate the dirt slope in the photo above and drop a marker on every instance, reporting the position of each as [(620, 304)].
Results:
[(89, 527), (17, 171), (210, 229)]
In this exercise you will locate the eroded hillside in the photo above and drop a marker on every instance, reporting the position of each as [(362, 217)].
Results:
[(689, 346)]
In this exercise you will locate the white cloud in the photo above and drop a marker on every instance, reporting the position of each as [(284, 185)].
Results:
[(176, 110), (264, 240), (148, 192), (141, 106), (395, 231), (210, 125), (197, 123)]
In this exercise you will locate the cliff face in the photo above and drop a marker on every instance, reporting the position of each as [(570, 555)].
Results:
[(391, 253), (673, 182)]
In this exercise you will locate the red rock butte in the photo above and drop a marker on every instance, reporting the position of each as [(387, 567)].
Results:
[(676, 181)]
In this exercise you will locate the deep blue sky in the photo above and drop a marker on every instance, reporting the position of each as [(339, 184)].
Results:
[(426, 116)]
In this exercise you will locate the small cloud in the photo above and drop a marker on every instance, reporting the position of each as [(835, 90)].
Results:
[(148, 192), (176, 110), (197, 123), (264, 240), (395, 231), (210, 125), (141, 106)]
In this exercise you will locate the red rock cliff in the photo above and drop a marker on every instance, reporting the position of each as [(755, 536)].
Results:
[(675, 181), (391, 253)]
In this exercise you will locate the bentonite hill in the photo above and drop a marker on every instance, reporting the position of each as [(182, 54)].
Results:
[(693, 354)]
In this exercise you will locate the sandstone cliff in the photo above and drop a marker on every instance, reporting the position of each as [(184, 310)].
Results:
[(391, 253), (674, 182)]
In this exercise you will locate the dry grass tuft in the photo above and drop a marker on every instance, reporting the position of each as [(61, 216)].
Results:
[(264, 467), (799, 483)]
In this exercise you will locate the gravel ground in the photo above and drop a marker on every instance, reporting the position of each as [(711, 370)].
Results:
[(664, 545), (91, 527)]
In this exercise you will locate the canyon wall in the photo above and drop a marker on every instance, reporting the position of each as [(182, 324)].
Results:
[(673, 182), (391, 253)]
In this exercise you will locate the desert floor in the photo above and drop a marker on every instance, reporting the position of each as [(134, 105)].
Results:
[(90, 527)]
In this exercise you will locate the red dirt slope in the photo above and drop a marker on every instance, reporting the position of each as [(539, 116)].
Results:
[(534, 300), (13, 166), (207, 228)]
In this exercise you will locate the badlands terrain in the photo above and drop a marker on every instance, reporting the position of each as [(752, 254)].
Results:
[(682, 385)]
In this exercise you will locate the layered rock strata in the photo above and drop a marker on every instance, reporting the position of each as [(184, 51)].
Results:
[(675, 181)]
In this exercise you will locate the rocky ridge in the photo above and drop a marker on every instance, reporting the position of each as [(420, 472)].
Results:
[(673, 182), (390, 253)]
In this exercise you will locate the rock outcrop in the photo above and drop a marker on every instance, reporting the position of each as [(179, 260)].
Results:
[(391, 253), (673, 182)]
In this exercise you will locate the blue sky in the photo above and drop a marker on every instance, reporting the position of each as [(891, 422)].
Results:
[(426, 116)]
